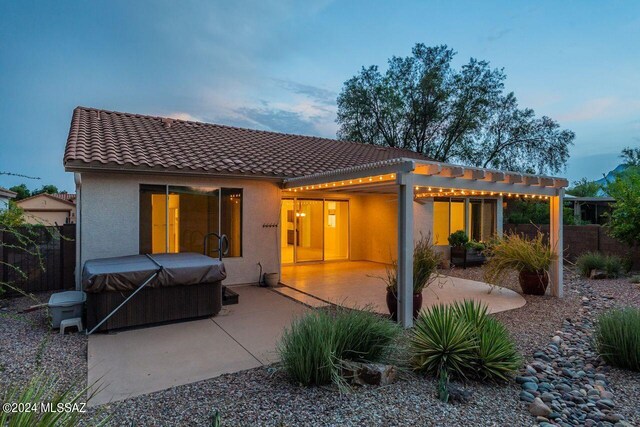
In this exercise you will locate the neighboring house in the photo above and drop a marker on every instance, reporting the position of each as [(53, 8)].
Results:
[(150, 184), (49, 209), (591, 210), (5, 196)]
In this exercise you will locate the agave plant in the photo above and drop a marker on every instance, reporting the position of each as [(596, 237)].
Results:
[(461, 340), (440, 341)]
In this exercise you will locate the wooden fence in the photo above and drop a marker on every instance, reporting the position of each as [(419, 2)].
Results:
[(58, 253), (579, 239)]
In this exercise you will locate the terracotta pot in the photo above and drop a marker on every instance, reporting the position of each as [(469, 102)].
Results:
[(392, 305), (533, 282)]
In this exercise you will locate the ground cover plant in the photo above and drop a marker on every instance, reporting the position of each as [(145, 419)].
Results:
[(316, 346), (612, 265), (617, 337)]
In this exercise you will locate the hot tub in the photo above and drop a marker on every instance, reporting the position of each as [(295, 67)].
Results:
[(187, 286)]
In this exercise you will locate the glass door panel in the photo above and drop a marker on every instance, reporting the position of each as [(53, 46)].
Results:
[(288, 231), (336, 230), (309, 238)]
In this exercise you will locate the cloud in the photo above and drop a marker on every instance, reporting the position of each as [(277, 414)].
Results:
[(305, 117), (603, 108), (181, 115), (318, 94), (591, 109)]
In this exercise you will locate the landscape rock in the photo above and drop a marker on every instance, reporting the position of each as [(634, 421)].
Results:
[(538, 408)]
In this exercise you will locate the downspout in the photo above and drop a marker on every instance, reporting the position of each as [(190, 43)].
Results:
[(78, 180)]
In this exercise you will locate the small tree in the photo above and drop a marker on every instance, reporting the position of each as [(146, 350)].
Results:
[(22, 192), (584, 188), (624, 218)]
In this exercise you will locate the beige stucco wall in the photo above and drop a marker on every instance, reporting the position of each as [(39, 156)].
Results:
[(46, 210), (110, 219), (374, 224)]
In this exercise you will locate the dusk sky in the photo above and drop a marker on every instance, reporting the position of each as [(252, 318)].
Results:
[(279, 65)]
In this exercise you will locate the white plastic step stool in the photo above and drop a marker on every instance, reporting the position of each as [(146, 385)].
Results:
[(66, 323)]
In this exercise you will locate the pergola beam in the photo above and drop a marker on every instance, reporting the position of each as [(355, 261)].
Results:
[(436, 182)]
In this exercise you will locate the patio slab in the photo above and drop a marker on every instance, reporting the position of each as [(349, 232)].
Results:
[(357, 284), (140, 361)]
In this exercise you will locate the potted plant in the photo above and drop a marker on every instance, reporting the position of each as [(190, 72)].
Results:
[(425, 263), (464, 251), (530, 257)]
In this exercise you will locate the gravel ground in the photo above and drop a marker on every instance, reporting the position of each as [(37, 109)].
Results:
[(29, 346), (264, 396)]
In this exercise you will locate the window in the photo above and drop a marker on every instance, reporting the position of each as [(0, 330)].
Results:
[(177, 219), (449, 216)]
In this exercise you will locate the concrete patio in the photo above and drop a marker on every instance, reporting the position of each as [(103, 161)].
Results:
[(357, 284), (141, 361)]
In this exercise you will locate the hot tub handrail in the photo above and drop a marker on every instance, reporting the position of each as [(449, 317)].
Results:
[(223, 244)]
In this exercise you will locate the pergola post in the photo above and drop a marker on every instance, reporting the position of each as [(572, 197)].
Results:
[(555, 240), (405, 249), (500, 217)]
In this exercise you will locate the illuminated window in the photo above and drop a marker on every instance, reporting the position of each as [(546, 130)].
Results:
[(177, 219), (448, 217)]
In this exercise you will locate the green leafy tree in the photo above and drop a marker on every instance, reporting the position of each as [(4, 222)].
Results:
[(631, 156), (624, 218), (22, 192), (11, 217), (47, 189), (421, 103), (584, 188)]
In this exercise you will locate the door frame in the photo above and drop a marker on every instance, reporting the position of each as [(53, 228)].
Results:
[(295, 225)]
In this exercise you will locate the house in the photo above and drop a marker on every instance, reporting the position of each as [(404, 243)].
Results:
[(49, 209), (5, 196), (590, 210), (151, 184)]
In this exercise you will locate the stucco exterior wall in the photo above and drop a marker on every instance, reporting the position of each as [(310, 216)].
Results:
[(110, 219)]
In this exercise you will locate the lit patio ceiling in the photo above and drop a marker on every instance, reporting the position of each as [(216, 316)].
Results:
[(430, 179)]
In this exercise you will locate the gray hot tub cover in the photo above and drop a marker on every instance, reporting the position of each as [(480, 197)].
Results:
[(129, 272)]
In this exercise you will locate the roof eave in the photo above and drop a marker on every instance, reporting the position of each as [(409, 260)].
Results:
[(81, 167)]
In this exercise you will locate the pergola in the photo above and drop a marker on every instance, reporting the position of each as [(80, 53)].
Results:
[(413, 180)]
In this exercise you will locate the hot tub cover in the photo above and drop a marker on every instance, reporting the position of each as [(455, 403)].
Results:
[(129, 272)]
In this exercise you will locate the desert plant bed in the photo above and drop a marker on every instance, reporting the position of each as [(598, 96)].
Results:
[(267, 396)]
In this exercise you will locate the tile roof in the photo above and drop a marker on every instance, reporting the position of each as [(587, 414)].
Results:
[(7, 193), (107, 139), (69, 198)]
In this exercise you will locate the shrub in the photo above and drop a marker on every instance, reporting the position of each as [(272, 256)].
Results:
[(315, 346), (635, 279), (459, 238), (519, 253), (612, 265), (478, 246), (590, 261), (44, 389), (617, 337), (461, 340)]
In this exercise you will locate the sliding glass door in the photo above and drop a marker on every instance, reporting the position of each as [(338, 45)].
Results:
[(309, 230), (314, 230)]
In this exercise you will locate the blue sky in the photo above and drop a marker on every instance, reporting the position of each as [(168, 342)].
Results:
[(279, 65)]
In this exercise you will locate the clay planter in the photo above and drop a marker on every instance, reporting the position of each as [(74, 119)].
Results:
[(392, 305), (533, 282)]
